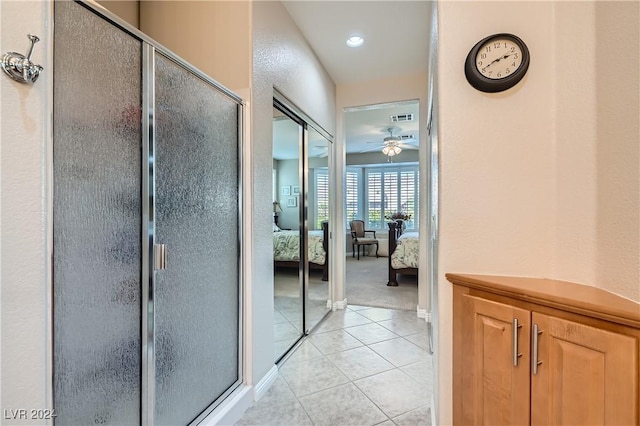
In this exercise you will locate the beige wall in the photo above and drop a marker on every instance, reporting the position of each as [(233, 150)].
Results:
[(125, 9), (597, 154), (25, 243), (214, 36), (540, 180), (617, 115)]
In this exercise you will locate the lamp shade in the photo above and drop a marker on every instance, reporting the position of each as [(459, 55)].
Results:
[(391, 150), (276, 207)]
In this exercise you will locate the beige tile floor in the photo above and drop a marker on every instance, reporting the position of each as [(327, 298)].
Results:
[(361, 366)]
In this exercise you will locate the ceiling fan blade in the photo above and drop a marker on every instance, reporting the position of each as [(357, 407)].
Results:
[(375, 148), (408, 146)]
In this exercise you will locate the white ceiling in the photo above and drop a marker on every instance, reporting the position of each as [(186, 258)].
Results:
[(396, 36), (366, 127), (396, 42)]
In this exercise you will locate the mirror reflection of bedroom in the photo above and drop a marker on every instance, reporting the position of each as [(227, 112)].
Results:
[(300, 228), (382, 188)]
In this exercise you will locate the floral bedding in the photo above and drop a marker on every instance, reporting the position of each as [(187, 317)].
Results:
[(286, 246), (406, 254)]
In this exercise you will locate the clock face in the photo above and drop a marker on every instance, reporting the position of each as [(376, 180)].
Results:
[(498, 58), (497, 63)]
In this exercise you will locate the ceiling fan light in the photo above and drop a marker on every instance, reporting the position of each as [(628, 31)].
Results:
[(391, 150), (355, 41)]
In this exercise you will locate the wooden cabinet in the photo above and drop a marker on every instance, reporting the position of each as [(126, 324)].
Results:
[(543, 352)]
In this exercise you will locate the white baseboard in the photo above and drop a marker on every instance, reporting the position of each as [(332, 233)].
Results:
[(232, 409), (433, 410), (329, 304), (263, 385), (423, 313), (342, 304)]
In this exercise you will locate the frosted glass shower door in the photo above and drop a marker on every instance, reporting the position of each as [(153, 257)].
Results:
[(96, 220), (145, 152), (196, 302)]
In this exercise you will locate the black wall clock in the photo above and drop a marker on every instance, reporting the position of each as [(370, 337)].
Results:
[(497, 63)]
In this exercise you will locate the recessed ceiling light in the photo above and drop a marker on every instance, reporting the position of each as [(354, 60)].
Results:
[(355, 41)]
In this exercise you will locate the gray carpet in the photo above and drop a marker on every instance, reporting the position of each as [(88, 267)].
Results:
[(366, 282)]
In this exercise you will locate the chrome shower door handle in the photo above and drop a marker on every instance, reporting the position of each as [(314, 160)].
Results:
[(159, 257)]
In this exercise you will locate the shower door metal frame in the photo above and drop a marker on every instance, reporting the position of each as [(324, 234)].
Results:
[(148, 377), (150, 48)]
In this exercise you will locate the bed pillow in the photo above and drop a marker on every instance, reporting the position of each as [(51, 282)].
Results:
[(276, 228)]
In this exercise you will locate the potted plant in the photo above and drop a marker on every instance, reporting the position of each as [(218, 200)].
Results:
[(399, 217)]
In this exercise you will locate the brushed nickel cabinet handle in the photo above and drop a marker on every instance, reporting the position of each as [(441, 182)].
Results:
[(534, 358), (516, 355)]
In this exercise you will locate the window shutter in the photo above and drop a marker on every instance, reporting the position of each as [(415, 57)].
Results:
[(322, 198), (353, 205)]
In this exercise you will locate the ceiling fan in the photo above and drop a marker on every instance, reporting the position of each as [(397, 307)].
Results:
[(393, 145)]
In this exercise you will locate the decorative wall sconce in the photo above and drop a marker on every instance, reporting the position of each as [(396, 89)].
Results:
[(19, 67)]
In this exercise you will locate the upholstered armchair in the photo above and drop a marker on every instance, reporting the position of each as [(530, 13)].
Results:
[(359, 237)]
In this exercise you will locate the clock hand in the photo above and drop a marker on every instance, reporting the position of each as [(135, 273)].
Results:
[(493, 62), (499, 59)]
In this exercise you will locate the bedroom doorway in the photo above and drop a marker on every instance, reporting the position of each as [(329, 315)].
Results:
[(382, 181), (300, 224)]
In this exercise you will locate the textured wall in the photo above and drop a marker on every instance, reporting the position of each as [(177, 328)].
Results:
[(282, 59), (597, 152), (24, 228), (496, 159), (541, 180), (618, 147)]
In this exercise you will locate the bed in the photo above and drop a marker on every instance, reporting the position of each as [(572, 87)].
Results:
[(403, 252), (286, 249)]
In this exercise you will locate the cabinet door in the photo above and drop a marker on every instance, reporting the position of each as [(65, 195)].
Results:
[(587, 376), (493, 386)]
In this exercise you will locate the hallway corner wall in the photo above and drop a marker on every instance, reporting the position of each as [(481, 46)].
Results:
[(496, 160), (282, 59), (541, 180)]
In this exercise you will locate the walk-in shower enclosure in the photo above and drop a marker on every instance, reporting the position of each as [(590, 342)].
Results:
[(146, 228)]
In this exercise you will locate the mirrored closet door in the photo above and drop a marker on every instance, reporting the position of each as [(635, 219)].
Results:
[(288, 297), (301, 225)]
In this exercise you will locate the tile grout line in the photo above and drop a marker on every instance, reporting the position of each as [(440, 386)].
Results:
[(395, 367), (325, 357)]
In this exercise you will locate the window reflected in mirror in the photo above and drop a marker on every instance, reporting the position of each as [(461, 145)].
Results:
[(288, 305)]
